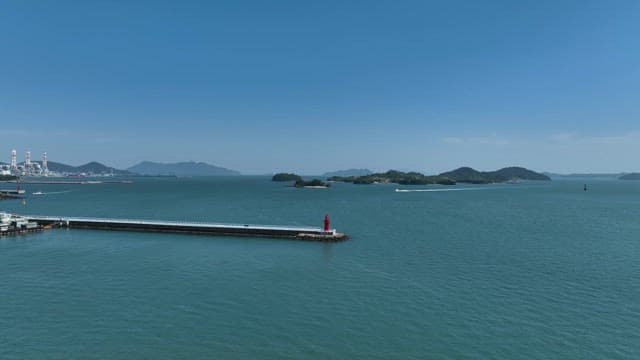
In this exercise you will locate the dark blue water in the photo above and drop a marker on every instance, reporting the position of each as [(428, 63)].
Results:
[(534, 270)]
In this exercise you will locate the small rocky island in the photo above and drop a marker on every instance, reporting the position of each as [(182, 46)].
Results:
[(461, 175), (286, 177), (315, 183), (299, 182)]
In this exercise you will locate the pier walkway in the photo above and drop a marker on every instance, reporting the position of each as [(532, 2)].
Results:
[(246, 230)]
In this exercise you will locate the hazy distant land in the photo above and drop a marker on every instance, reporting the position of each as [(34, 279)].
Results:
[(587, 176), (358, 176), (632, 176), (189, 168)]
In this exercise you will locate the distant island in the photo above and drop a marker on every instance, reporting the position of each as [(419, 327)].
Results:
[(315, 183), (632, 176), (298, 181), (286, 177), (189, 168), (395, 177), (472, 176), (460, 175), (347, 173)]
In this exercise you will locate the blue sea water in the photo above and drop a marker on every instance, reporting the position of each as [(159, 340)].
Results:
[(526, 271)]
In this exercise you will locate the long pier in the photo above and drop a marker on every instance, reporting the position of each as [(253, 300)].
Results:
[(246, 230)]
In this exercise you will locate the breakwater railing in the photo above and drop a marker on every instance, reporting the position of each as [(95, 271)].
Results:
[(190, 227)]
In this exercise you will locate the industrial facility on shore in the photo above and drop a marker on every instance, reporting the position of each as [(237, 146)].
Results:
[(26, 168)]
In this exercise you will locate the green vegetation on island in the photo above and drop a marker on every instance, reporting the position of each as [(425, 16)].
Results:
[(348, 173), (311, 183), (286, 177), (632, 176), (461, 175), (395, 177), (472, 176)]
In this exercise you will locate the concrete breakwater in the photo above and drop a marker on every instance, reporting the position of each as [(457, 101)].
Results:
[(245, 230)]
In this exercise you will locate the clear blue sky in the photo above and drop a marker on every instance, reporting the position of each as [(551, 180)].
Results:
[(312, 86)]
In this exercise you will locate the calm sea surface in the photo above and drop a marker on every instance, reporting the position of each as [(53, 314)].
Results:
[(526, 271)]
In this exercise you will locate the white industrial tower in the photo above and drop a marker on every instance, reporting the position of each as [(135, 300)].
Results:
[(14, 161), (27, 159), (45, 169)]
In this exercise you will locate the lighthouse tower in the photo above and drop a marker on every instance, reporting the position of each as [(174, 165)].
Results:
[(14, 161), (45, 169)]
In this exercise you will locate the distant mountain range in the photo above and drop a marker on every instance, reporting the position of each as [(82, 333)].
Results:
[(347, 173), (189, 168)]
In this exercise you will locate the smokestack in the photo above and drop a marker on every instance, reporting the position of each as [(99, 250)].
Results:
[(44, 162), (14, 162)]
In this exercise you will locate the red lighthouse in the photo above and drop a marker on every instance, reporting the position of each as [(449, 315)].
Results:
[(327, 222)]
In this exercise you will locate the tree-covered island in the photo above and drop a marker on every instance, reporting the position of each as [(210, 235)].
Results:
[(286, 177), (395, 177), (311, 183), (461, 175)]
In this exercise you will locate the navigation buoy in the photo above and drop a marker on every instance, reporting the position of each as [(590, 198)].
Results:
[(327, 222), (585, 187)]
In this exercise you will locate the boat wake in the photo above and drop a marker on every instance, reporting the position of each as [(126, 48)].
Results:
[(51, 192), (438, 190)]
